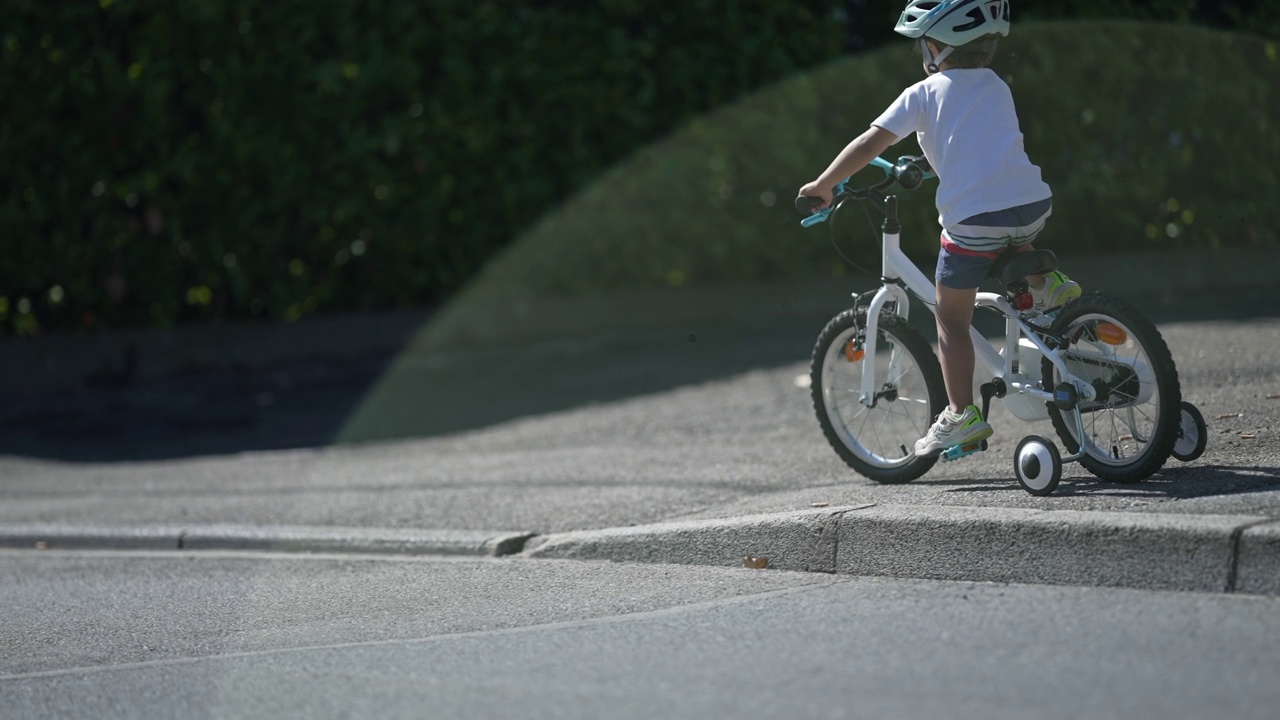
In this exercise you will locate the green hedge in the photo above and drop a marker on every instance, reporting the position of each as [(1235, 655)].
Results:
[(1259, 17), (168, 161), (871, 23), (1151, 136)]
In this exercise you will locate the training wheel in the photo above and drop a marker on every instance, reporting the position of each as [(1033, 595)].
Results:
[(1038, 465), (1192, 434)]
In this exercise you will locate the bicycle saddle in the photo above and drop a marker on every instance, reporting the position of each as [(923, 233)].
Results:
[(1011, 266)]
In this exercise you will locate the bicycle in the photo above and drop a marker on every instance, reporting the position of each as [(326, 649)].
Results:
[(1096, 367)]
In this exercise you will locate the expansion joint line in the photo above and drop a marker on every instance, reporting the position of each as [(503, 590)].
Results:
[(833, 526), (1233, 568)]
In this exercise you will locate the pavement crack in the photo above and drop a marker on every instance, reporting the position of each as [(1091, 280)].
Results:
[(832, 526)]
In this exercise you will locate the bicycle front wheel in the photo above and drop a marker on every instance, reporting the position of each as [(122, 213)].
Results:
[(877, 438), (1130, 429)]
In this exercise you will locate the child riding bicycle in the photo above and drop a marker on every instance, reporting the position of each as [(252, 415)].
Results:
[(990, 196)]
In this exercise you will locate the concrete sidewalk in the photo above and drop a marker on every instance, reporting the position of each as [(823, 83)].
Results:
[(646, 428)]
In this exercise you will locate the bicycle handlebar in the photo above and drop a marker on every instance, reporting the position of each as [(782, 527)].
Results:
[(909, 172), (805, 204)]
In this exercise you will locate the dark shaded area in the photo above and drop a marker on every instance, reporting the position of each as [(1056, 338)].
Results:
[(211, 412), (1175, 481), (869, 23), (230, 160), (232, 409), (116, 414)]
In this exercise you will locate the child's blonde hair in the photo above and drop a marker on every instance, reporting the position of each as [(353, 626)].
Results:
[(976, 54)]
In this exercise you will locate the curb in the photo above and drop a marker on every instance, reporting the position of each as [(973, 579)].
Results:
[(804, 540), (1200, 553), (280, 538), (1149, 551), (1259, 560), (1107, 549)]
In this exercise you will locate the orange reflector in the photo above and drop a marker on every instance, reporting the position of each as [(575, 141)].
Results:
[(853, 354), (1111, 334)]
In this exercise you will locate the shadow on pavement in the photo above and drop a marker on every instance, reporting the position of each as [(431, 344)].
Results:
[(316, 403), (409, 390), (1174, 481)]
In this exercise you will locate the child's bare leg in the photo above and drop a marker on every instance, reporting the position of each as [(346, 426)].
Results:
[(955, 346)]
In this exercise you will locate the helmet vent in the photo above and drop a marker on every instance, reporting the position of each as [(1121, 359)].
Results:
[(954, 22), (978, 20)]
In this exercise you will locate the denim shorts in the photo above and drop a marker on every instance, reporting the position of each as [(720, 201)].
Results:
[(969, 248)]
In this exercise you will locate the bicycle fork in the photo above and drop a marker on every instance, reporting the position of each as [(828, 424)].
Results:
[(869, 392)]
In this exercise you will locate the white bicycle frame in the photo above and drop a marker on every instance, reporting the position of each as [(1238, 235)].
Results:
[(898, 271)]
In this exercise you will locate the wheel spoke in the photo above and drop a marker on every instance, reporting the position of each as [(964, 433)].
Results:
[(1127, 433), (878, 436)]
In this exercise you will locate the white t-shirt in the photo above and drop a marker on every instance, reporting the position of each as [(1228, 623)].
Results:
[(968, 129)]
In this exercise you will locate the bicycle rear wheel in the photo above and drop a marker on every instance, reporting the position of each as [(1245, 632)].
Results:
[(877, 441), (1130, 429)]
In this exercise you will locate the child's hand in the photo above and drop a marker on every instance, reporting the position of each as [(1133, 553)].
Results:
[(819, 192)]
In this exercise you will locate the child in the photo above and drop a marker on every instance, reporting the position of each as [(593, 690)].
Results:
[(990, 196)]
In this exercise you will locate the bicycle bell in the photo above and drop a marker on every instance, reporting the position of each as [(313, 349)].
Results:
[(909, 175)]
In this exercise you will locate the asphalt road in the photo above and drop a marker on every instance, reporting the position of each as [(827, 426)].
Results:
[(600, 432), (132, 635), (744, 440)]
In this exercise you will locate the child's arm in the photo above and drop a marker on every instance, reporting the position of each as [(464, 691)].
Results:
[(855, 156)]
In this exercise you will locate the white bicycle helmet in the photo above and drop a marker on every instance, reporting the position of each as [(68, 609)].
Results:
[(952, 23)]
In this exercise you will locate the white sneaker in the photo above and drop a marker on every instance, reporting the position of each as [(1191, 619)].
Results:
[(951, 430)]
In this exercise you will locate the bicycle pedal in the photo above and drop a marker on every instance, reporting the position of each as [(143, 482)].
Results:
[(962, 451)]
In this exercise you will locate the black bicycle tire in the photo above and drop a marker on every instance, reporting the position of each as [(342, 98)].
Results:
[(1202, 430), (1160, 447), (921, 353)]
